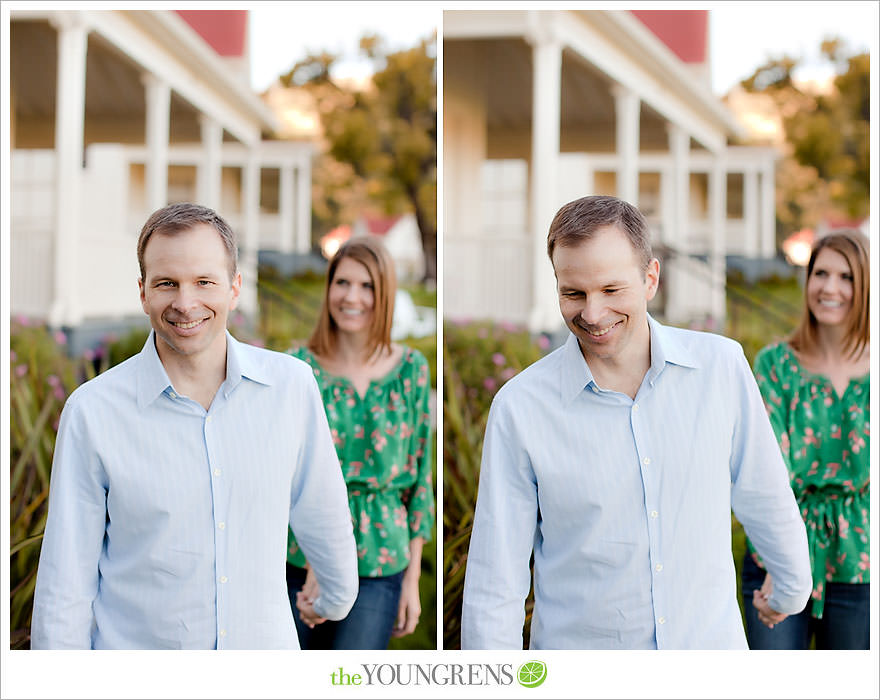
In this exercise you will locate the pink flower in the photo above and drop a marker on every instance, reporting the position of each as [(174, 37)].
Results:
[(21, 370), (60, 337), (385, 557), (507, 373), (489, 384), (543, 342), (865, 562), (498, 359)]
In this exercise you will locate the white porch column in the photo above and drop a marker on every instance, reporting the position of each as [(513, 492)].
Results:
[(304, 206), (158, 100), (546, 106), (750, 213), (677, 282), (250, 237), (679, 144), (70, 103), (768, 210), (626, 104), (718, 255), (209, 171), (286, 209)]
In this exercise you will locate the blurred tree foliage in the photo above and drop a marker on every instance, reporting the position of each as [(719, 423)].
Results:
[(381, 139), (826, 168)]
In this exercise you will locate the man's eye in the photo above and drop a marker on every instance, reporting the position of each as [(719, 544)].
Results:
[(611, 291), (165, 284), (205, 283)]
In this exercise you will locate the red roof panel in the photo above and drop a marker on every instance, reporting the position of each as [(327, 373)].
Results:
[(224, 30), (683, 31)]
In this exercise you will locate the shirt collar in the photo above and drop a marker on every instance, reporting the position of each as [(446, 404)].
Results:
[(665, 348), (153, 379)]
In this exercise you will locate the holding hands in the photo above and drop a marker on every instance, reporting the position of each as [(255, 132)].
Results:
[(766, 614), (305, 600)]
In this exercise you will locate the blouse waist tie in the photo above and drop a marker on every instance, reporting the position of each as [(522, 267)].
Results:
[(820, 509)]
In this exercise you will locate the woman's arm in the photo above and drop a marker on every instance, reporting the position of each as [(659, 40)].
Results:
[(410, 607)]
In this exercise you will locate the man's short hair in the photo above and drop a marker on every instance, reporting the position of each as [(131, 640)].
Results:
[(183, 216), (579, 220)]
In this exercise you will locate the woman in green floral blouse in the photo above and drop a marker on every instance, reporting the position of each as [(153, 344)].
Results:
[(816, 389), (375, 395)]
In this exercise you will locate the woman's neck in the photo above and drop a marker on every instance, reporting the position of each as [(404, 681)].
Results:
[(352, 350), (830, 345)]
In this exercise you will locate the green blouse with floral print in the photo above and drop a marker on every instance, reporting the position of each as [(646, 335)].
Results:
[(383, 443), (824, 440)]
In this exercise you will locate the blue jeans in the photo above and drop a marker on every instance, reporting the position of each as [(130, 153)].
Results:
[(844, 624), (367, 626)]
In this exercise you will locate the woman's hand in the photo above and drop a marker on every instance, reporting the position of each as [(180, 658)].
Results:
[(306, 598), (410, 608)]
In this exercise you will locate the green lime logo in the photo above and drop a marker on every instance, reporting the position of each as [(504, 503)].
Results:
[(532, 673)]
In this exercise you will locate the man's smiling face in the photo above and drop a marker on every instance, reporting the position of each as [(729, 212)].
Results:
[(187, 291), (604, 294)]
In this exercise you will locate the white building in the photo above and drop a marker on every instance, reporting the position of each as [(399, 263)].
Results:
[(114, 114), (542, 107)]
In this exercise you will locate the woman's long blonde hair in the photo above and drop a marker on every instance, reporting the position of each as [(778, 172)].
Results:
[(372, 254), (853, 246)]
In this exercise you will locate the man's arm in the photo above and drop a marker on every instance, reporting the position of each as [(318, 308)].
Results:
[(497, 578), (763, 501), (319, 513), (67, 576)]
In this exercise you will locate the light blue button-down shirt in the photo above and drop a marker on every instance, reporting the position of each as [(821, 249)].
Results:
[(167, 523), (626, 504)]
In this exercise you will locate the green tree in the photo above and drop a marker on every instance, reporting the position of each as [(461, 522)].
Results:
[(381, 139), (826, 169)]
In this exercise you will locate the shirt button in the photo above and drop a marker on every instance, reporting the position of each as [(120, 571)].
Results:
[(222, 526), (222, 633), (595, 390), (635, 407), (661, 620), (208, 419), (216, 472), (658, 568), (223, 579), (654, 513), (172, 394), (647, 460)]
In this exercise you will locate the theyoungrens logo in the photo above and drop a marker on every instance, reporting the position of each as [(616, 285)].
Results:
[(531, 674)]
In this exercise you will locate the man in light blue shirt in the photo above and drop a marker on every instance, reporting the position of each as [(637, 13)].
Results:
[(615, 460), (176, 473)]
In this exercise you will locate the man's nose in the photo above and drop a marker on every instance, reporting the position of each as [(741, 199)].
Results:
[(593, 309), (185, 299)]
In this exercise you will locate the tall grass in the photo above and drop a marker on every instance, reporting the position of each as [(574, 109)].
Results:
[(41, 377), (477, 360)]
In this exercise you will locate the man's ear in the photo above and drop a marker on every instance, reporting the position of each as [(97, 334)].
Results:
[(652, 278), (142, 291), (236, 290)]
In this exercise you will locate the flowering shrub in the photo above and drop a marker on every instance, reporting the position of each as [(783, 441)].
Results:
[(478, 358)]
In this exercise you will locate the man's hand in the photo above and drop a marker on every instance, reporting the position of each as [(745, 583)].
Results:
[(306, 598), (766, 614)]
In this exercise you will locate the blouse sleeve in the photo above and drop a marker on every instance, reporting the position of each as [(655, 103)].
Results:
[(419, 499), (776, 400)]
